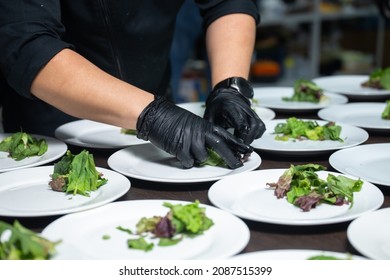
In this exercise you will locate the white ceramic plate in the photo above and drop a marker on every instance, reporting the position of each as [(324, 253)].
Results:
[(90, 134), (55, 150), (198, 109), (291, 254), (366, 115), (271, 97), (352, 136), (350, 85), (247, 196), (228, 236), (150, 163), (26, 193), (369, 234), (370, 162)]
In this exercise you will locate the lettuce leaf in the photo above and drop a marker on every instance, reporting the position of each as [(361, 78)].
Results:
[(23, 244), (180, 221), (386, 111), (302, 187), (76, 174), (21, 145), (298, 129), (306, 91), (189, 218)]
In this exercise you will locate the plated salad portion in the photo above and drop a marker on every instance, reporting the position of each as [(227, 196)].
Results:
[(299, 129), (181, 221), (306, 91), (20, 243), (378, 79), (302, 187), (21, 145), (76, 174), (386, 111)]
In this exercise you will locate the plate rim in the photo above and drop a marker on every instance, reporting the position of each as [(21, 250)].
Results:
[(310, 222), (47, 169), (355, 223), (315, 107), (257, 162), (306, 151), (375, 94), (60, 145), (74, 139), (358, 148), (267, 253), (244, 230), (329, 109)]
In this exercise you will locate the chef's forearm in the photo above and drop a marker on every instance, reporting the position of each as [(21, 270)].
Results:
[(230, 42), (77, 87)]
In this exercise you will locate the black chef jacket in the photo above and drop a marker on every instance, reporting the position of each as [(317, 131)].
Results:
[(130, 39)]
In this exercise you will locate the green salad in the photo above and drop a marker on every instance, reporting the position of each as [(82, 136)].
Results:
[(379, 79), (181, 221), (303, 188), (76, 174), (386, 111), (20, 243), (298, 129), (328, 258), (21, 145), (306, 91)]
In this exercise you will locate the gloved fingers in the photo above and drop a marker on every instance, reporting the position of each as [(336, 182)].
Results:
[(218, 144), (258, 126), (199, 151), (235, 143), (185, 159), (246, 124), (209, 115), (183, 151), (253, 128)]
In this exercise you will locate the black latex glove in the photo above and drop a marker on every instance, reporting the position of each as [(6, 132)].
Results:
[(187, 136), (227, 108)]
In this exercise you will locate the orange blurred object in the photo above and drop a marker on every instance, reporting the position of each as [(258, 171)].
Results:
[(265, 68)]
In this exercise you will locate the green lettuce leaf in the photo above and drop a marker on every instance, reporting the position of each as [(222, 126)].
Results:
[(21, 145), (302, 187), (189, 218), (24, 244), (140, 244), (77, 174), (298, 129), (386, 111), (306, 91)]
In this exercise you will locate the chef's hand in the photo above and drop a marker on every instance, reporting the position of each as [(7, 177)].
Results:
[(187, 136), (227, 108)]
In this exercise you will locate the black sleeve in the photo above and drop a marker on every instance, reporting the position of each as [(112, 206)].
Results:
[(30, 35), (213, 9)]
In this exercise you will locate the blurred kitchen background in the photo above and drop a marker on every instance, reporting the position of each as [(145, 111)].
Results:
[(295, 39), (303, 39)]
